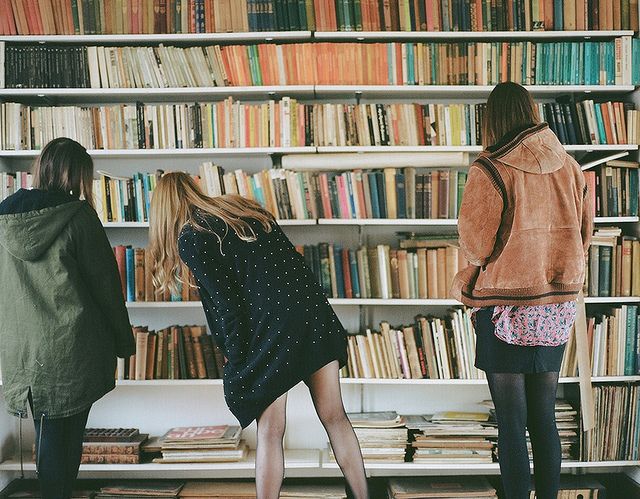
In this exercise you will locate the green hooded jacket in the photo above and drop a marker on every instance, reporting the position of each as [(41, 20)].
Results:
[(63, 319)]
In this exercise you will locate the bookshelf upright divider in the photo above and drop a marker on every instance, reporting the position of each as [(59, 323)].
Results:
[(201, 401)]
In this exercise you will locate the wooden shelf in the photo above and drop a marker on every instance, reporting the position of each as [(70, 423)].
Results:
[(145, 225), (123, 95), (465, 35), (145, 39), (298, 463), (173, 153), (263, 151), (357, 302), (454, 91), (303, 462)]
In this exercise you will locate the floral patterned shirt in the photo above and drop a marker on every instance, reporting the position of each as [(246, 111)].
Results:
[(539, 325)]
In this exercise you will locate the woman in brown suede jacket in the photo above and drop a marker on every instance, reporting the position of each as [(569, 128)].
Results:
[(525, 225)]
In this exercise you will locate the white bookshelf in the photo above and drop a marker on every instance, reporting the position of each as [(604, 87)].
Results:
[(467, 35), (156, 405)]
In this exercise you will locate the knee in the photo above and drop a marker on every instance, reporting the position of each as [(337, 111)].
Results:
[(271, 428), (332, 416)]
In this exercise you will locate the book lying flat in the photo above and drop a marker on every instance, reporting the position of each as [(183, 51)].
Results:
[(145, 489), (218, 490), (376, 419), (440, 487)]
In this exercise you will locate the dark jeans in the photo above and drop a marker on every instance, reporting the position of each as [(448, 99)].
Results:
[(58, 453)]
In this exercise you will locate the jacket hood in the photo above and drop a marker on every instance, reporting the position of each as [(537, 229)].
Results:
[(534, 150), (28, 235)]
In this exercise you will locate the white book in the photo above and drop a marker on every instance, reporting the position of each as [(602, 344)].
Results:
[(373, 351)]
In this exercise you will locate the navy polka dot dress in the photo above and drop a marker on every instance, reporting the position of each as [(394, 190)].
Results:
[(266, 311)]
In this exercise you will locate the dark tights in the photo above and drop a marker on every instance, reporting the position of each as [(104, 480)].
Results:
[(527, 401)]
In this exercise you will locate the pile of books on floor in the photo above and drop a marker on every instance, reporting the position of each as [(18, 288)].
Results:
[(566, 421), (201, 444), (147, 489), (110, 446), (440, 488), (382, 436), (452, 437)]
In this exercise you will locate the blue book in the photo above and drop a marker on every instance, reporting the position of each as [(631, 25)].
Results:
[(410, 64), (604, 277), (633, 192), (401, 195), (351, 195), (337, 262), (630, 347), (177, 296), (131, 273), (600, 122), (382, 194), (390, 68), (147, 194), (445, 15), (355, 276), (373, 192), (558, 18)]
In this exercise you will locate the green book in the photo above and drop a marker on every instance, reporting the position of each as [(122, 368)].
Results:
[(302, 15), (294, 22), (76, 18), (604, 277), (357, 14), (340, 15), (347, 5), (630, 347), (462, 180)]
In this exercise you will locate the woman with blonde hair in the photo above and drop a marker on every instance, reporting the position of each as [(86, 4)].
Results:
[(267, 313), (525, 226)]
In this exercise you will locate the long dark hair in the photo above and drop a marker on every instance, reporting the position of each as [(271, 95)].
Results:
[(509, 106), (64, 165)]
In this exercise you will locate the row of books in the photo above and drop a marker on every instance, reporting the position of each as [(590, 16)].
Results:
[(436, 63), (386, 193), (419, 269), (120, 199), (475, 15), (287, 123), (444, 347), (614, 188), (175, 352), (227, 124), (206, 16), (613, 267), (613, 342), (616, 436), (430, 348), (69, 17), (135, 266)]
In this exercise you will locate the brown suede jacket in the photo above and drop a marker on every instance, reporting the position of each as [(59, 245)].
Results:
[(525, 224)]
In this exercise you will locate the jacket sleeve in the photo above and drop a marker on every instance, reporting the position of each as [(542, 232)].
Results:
[(586, 225), (479, 218), (100, 272), (201, 253)]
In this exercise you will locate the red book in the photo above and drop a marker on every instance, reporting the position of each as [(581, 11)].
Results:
[(346, 272), (479, 17), (121, 260), (324, 196), (342, 197), (548, 15)]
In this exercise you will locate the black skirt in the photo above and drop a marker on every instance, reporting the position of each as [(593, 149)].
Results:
[(496, 356)]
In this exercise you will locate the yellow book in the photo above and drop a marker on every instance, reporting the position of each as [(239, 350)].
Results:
[(635, 269)]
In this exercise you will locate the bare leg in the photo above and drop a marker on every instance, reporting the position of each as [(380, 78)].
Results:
[(269, 451), (324, 386)]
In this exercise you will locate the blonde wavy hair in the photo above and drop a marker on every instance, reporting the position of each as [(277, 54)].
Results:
[(177, 200)]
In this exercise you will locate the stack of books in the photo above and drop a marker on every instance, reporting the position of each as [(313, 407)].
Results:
[(440, 488), (430, 348), (421, 269), (202, 444), (613, 265), (147, 489), (382, 436), (385, 193), (568, 429), (135, 266), (612, 62), (175, 352), (612, 338), (614, 188), (617, 432), (67, 17), (452, 437), (112, 446), (477, 15)]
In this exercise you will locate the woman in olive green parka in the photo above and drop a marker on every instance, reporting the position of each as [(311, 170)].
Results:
[(63, 319)]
